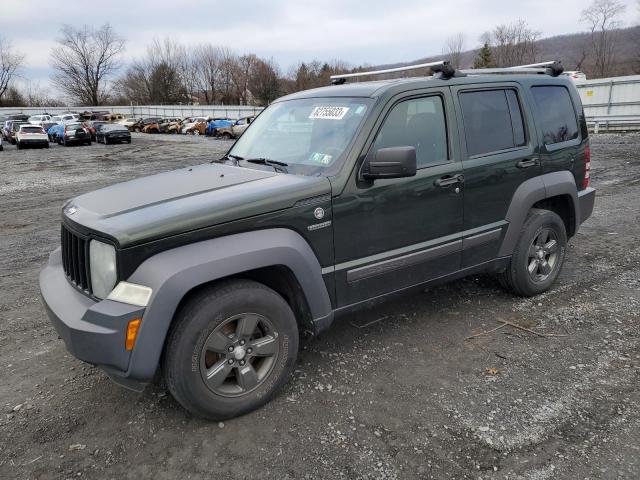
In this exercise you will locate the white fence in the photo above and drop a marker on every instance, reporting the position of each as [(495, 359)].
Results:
[(181, 111), (611, 104)]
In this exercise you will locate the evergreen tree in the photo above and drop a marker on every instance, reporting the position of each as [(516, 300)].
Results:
[(484, 58)]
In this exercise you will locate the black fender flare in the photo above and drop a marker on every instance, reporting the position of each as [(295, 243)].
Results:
[(173, 273), (532, 191)]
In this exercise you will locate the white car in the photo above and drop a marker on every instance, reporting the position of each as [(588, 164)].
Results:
[(191, 122), (31, 136), (241, 125), (128, 122), (575, 75), (38, 119)]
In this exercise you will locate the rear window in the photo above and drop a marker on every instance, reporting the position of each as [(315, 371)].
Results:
[(492, 121), (31, 130), (557, 117)]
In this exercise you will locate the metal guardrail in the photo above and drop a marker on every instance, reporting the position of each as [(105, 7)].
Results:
[(614, 123)]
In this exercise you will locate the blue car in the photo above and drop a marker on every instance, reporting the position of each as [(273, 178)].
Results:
[(55, 133), (214, 125)]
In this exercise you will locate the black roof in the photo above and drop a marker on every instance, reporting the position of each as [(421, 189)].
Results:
[(379, 87)]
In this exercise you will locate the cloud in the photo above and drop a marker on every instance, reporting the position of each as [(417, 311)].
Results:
[(368, 31)]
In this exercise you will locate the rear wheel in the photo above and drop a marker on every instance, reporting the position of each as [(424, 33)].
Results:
[(18, 145), (539, 254), (232, 347)]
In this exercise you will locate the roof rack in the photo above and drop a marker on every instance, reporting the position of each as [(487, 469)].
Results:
[(443, 69), (553, 68), (439, 66)]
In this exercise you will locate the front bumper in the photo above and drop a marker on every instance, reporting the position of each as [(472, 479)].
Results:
[(93, 331), (586, 199)]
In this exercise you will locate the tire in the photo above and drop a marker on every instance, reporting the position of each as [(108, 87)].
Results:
[(18, 146), (128, 140), (46, 145), (105, 141), (221, 309), (536, 263), (227, 136)]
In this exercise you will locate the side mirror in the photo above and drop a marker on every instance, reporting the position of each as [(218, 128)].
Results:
[(393, 162)]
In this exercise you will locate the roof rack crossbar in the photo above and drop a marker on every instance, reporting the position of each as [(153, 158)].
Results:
[(553, 68), (341, 78)]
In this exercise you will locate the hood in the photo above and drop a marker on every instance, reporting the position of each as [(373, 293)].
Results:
[(187, 199)]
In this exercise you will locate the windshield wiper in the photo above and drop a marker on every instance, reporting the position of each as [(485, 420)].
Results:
[(233, 158), (277, 166)]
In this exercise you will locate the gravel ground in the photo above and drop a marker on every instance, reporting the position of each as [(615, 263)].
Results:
[(396, 391)]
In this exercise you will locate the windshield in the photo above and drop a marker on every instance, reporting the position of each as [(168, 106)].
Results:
[(310, 135)]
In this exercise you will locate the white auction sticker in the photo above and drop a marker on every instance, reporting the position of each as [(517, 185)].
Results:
[(329, 113)]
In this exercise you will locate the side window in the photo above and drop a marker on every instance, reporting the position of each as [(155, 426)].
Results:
[(492, 121), (557, 117), (418, 123)]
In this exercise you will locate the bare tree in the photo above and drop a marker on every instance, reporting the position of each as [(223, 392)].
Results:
[(513, 44), (207, 61), (453, 48), (601, 17), (10, 63), (84, 60), (162, 76), (264, 82)]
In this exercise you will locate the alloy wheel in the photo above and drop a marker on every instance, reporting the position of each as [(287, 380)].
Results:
[(543, 255), (239, 354)]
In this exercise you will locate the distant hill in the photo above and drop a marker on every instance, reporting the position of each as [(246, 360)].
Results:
[(569, 49)]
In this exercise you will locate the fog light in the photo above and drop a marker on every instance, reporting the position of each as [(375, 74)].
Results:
[(132, 333), (131, 293)]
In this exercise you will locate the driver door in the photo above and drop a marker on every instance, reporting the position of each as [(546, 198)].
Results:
[(390, 234)]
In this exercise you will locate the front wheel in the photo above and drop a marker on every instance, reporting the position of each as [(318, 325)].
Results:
[(230, 350), (539, 254)]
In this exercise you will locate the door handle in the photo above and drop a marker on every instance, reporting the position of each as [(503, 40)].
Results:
[(527, 163), (449, 180)]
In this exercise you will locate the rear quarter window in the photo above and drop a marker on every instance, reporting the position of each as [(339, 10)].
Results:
[(556, 114)]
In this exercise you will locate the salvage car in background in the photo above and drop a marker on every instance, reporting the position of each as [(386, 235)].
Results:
[(195, 124), (38, 119), (129, 122), (15, 126), (220, 127), (74, 133), (29, 135), (241, 125), (91, 125), (143, 122), (111, 133)]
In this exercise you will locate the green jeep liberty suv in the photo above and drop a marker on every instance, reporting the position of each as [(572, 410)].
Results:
[(331, 198)]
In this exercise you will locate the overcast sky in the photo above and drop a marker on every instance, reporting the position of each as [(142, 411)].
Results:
[(367, 31)]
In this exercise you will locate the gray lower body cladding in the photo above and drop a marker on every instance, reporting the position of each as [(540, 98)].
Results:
[(93, 331)]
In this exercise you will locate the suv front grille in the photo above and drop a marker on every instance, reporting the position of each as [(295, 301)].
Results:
[(75, 259)]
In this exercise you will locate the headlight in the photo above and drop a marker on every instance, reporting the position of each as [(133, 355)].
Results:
[(102, 262)]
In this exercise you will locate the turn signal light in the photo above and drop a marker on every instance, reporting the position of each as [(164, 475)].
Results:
[(132, 333)]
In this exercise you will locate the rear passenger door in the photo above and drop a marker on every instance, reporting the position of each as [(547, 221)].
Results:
[(499, 152)]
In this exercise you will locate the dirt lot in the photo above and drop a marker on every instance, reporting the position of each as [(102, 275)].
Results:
[(392, 392)]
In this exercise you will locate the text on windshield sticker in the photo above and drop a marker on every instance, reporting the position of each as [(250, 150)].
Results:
[(329, 113)]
